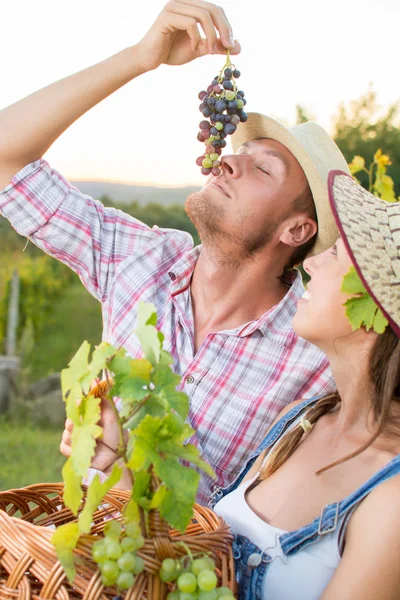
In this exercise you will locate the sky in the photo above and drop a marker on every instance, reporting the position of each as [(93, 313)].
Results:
[(312, 53)]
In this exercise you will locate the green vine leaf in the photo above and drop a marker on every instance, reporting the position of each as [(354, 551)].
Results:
[(176, 503), (95, 495), (361, 310), (65, 539), (73, 493), (85, 433), (148, 335), (77, 369)]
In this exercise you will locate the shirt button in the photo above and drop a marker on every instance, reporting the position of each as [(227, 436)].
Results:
[(254, 560), (189, 379)]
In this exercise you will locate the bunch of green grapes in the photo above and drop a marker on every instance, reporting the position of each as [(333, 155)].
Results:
[(116, 554), (195, 580)]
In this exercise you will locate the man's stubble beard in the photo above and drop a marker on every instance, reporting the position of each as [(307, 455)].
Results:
[(236, 247)]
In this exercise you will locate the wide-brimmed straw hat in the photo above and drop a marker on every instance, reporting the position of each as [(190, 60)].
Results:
[(370, 229), (316, 153)]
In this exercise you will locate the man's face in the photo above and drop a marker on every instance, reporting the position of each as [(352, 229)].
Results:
[(251, 197)]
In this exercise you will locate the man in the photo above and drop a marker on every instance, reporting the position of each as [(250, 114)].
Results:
[(225, 307)]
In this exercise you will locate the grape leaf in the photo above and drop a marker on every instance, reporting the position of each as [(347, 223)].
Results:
[(144, 443), (73, 493), (70, 378), (131, 512), (95, 494), (85, 433), (65, 539), (100, 356), (361, 309), (189, 452), (147, 333), (176, 504), (140, 488)]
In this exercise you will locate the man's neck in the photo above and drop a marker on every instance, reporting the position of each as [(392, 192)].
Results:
[(226, 294)]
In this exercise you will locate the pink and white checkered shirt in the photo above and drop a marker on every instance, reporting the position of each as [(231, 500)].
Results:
[(239, 379)]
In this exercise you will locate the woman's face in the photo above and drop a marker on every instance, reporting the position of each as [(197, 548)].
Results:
[(320, 316)]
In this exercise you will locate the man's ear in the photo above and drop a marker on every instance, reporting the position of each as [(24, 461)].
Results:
[(298, 230)]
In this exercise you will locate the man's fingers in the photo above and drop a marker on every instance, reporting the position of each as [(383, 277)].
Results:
[(69, 425), (217, 16), (65, 445), (199, 15)]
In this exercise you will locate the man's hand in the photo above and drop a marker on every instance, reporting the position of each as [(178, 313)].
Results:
[(174, 38), (107, 444)]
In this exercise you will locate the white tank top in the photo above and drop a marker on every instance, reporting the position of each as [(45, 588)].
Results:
[(301, 576)]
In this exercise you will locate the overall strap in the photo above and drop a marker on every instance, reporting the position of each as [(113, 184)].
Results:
[(327, 522), (270, 439)]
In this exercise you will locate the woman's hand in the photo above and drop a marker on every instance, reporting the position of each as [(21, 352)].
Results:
[(106, 445), (174, 38)]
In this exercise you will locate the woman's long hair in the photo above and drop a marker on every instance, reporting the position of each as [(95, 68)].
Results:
[(384, 376)]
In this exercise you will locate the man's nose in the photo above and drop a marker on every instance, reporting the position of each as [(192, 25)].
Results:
[(233, 164)]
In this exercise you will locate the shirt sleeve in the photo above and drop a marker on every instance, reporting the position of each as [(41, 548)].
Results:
[(76, 229)]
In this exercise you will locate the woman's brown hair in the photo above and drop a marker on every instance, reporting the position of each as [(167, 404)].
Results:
[(384, 375)]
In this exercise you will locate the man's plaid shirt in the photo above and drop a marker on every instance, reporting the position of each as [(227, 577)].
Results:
[(239, 379)]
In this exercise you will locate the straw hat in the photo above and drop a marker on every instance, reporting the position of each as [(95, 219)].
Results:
[(370, 229), (317, 154)]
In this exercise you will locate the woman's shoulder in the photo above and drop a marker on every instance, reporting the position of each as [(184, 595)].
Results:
[(376, 519)]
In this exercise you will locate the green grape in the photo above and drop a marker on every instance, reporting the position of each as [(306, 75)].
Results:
[(139, 565), (112, 529), (219, 126), (214, 156), (108, 581), (110, 569), (99, 551), (187, 582), (127, 561), (125, 580), (230, 95), (113, 547), (211, 595), (128, 544), (139, 541), (207, 163), (173, 595), (202, 564), (224, 592), (207, 580), (133, 529), (187, 596), (169, 570)]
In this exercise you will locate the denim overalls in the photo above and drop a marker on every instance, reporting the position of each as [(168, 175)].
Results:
[(252, 562)]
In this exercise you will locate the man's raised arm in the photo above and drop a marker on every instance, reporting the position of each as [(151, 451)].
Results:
[(29, 127)]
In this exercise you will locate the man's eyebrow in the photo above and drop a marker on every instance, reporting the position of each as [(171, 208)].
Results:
[(275, 154)]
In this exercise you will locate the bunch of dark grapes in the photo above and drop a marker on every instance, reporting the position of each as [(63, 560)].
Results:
[(194, 579), (116, 554), (222, 106)]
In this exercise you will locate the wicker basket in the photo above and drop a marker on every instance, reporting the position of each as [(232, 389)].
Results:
[(29, 568)]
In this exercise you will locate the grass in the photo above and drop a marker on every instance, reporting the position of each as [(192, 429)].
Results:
[(28, 455), (76, 317)]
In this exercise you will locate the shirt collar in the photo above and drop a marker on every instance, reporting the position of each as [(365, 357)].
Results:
[(181, 272)]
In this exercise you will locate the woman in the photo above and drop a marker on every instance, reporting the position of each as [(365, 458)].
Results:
[(317, 514)]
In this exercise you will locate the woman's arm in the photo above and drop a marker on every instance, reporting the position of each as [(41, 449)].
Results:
[(370, 566)]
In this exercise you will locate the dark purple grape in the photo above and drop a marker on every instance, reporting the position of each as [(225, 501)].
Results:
[(228, 85), (220, 106), (241, 93), (236, 73), (219, 117), (206, 112), (204, 134), (233, 104), (229, 128), (243, 117), (235, 120), (202, 107), (223, 143), (199, 161), (204, 125), (211, 102), (205, 171), (214, 131), (214, 81), (210, 89), (244, 101), (222, 135), (213, 116), (202, 95), (216, 143), (228, 73), (217, 89), (200, 137)]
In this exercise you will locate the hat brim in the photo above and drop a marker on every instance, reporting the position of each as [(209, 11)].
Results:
[(370, 230), (260, 126)]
